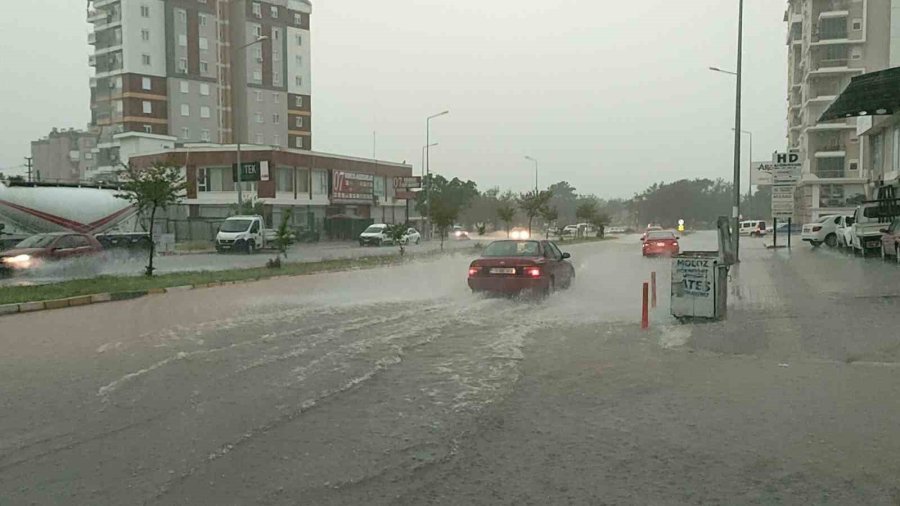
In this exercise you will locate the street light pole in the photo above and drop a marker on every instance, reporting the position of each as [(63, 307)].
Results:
[(750, 176), (535, 173), (428, 165), (737, 135), (237, 132)]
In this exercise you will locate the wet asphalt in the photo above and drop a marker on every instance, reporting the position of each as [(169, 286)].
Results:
[(397, 386)]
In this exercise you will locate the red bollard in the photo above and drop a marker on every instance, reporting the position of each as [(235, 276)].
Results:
[(653, 290), (645, 312)]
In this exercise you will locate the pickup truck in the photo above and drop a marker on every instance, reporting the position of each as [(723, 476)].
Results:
[(864, 235), (244, 234)]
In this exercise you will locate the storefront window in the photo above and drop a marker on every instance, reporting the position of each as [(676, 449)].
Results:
[(284, 180), (303, 181), (379, 186), (320, 182)]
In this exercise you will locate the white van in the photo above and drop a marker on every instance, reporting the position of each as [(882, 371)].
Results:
[(753, 228)]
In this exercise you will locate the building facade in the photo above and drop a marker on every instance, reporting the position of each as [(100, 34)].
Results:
[(63, 156), (829, 42), (217, 71)]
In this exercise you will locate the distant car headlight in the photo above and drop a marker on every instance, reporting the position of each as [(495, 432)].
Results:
[(19, 261)]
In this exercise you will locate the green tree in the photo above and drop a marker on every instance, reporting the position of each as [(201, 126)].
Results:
[(506, 212), (531, 203), (550, 215), (251, 206), (445, 200), (151, 189), (397, 233), (284, 236)]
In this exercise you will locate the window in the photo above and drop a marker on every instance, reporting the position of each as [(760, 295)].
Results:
[(145, 11), (204, 43), (117, 35), (182, 66), (298, 142), (257, 76), (185, 133), (204, 112), (203, 20), (379, 186), (217, 180), (202, 180), (258, 30), (182, 40), (204, 135), (147, 107), (298, 101), (148, 129), (320, 182), (90, 156), (145, 59), (298, 59), (298, 19), (120, 106), (284, 179), (298, 122), (299, 40), (145, 35), (185, 110), (833, 28), (185, 86), (302, 181), (259, 138), (273, 11), (204, 67), (257, 9), (298, 80), (182, 15), (258, 95), (276, 56), (259, 117), (277, 140), (204, 89), (276, 98), (276, 118), (276, 34), (146, 83), (276, 77), (830, 167), (257, 53)]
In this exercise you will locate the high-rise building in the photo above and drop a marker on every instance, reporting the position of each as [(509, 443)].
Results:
[(829, 42), (197, 70), (63, 156)]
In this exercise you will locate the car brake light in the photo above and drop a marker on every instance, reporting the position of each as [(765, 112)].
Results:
[(473, 271), (817, 228), (534, 272)]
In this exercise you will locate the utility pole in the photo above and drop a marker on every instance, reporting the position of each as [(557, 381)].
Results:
[(29, 166), (735, 213)]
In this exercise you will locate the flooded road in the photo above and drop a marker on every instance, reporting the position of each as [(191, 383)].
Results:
[(397, 386)]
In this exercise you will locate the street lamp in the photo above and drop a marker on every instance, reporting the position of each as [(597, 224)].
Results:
[(750, 176), (535, 173), (433, 144), (736, 209), (238, 122), (428, 164)]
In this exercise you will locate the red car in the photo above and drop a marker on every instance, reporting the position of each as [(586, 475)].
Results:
[(890, 241), (512, 267), (660, 242), (39, 249)]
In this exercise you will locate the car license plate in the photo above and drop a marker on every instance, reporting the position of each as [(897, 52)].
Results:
[(503, 270)]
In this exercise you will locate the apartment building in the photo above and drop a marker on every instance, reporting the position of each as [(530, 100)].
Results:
[(218, 71), (829, 42), (63, 156)]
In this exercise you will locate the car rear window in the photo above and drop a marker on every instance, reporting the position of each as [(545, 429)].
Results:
[(512, 249), (660, 235)]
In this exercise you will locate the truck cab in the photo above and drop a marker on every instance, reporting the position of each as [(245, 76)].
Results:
[(864, 235), (244, 234)]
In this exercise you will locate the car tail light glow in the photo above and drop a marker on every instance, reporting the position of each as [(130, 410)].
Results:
[(534, 272), (473, 271)]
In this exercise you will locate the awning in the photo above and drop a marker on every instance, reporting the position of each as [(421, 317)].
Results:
[(872, 94)]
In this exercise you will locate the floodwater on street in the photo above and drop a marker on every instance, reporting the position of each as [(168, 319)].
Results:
[(398, 386)]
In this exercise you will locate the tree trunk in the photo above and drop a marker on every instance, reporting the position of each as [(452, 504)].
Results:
[(442, 239), (149, 271), (507, 230), (530, 219)]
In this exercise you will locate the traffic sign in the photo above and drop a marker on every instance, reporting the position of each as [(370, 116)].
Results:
[(783, 202)]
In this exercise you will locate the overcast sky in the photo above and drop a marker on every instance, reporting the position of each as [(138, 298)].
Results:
[(610, 96)]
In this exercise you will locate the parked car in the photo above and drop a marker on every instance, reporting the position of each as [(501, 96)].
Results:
[(513, 267), (40, 249), (842, 231), (890, 241), (753, 228), (660, 242), (570, 231), (375, 235), (821, 232), (244, 234), (865, 232), (412, 236)]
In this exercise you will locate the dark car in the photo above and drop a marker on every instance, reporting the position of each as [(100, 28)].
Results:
[(890, 241), (42, 248), (512, 267)]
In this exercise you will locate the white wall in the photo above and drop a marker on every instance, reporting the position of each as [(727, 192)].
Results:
[(304, 69), (895, 34), (135, 47), (134, 143)]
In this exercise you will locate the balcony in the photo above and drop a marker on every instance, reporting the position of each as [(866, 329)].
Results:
[(832, 126), (95, 16), (92, 60), (103, 3), (831, 152), (92, 38)]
